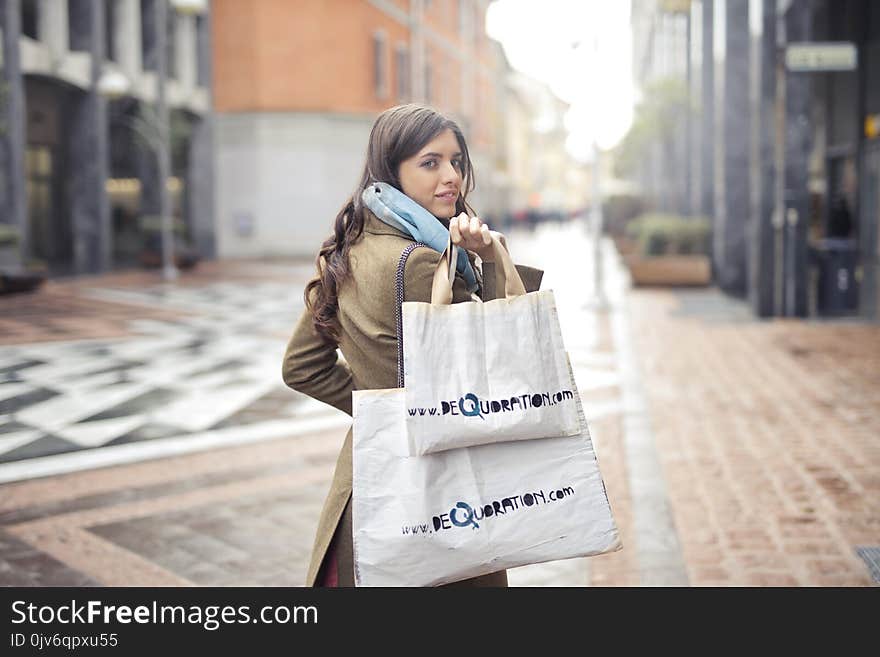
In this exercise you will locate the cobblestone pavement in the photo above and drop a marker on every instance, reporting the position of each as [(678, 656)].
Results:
[(735, 452)]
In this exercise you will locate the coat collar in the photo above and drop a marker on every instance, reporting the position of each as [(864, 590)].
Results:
[(375, 226)]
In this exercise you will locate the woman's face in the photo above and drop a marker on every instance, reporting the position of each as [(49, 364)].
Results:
[(432, 177)]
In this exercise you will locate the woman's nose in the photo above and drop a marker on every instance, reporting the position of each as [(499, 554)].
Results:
[(450, 173)]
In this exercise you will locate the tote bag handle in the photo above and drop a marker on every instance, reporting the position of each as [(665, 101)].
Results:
[(401, 266), (507, 278)]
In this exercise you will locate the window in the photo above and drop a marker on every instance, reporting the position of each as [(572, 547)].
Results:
[(150, 37), (30, 19), (171, 41), (478, 30), (110, 30), (403, 91), (79, 25), (462, 17), (429, 83), (148, 34), (380, 73), (202, 52)]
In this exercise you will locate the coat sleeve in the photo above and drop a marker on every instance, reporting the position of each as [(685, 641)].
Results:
[(312, 367)]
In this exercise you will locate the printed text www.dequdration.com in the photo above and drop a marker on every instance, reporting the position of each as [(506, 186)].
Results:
[(463, 514)]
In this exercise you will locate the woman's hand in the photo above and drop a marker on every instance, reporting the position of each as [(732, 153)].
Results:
[(472, 234)]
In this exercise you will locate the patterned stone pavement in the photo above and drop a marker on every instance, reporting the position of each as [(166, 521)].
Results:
[(735, 452), (184, 360)]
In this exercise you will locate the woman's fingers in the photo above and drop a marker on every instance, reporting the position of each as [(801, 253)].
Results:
[(469, 232), (454, 230), (464, 225), (475, 224)]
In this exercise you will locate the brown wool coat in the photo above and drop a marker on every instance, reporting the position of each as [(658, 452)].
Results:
[(368, 343)]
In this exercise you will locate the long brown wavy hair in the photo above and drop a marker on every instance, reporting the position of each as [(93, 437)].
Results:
[(398, 134)]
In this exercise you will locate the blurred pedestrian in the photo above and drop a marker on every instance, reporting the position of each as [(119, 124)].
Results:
[(413, 188), (840, 223)]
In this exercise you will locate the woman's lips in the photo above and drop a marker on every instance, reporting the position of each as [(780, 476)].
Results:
[(449, 198)]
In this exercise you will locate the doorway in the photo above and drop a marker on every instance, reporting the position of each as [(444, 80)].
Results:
[(49, 229)]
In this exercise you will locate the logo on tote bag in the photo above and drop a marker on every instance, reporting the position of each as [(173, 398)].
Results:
[(463, 514), (470, 405)]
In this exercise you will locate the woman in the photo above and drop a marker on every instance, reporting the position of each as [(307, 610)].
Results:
[(413, 188)]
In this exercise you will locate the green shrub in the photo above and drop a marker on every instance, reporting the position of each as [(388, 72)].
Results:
[(666, 234), (9, 235), (620, 209)]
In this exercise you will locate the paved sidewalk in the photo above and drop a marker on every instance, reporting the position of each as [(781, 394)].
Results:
[(769, 436), (735, 452)]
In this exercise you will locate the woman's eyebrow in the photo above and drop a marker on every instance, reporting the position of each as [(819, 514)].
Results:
[(438, 155)]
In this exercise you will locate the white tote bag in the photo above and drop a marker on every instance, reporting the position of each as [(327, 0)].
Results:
[(478, 373), (443, 517)]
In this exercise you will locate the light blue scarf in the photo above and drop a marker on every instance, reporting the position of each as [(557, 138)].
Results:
[(398, 210)]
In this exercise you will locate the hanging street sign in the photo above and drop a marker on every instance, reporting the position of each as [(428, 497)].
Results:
[(821, 56)]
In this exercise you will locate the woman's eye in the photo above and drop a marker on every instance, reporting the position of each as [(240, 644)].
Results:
[(429, 164), (456, 164)]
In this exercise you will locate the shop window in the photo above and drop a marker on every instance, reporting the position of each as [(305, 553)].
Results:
[(840, 220), (38, 188)]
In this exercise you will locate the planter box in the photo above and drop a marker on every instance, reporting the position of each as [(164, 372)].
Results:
[(669, 270), (625, 245)]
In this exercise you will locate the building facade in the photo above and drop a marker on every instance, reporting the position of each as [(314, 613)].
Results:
[(298, 88), (782, 145), (78, 158)]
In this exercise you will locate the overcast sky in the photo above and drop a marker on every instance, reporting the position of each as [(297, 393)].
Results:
[(539, 37)]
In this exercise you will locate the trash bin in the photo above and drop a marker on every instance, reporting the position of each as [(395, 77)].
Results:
[(836, 260)]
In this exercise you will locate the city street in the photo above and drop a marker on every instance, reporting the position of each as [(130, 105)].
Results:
[(146, 437)]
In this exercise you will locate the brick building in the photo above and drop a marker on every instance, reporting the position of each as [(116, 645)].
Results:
[(298, 86)]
